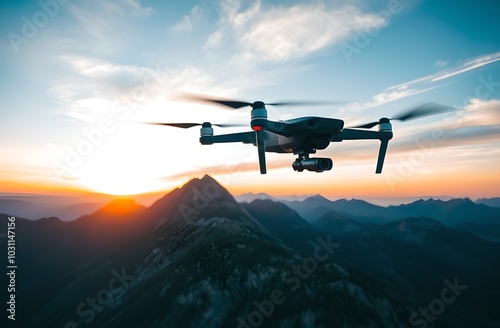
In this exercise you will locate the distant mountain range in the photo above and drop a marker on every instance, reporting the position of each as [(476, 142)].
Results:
[(380, 201), (198, 258), (462, 214), (69, 208), (492, 202), (37, 206)]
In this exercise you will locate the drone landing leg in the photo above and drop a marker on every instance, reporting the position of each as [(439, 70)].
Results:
[(381, 155)]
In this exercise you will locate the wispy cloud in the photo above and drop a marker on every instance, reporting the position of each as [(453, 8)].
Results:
[(94, 86), (420, 85), (281, 33), (105, 26), (447, 73), (96, 26), (188, 21), (440, 63), (124, 7)]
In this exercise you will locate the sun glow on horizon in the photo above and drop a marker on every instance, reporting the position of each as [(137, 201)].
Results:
[(115, 184)]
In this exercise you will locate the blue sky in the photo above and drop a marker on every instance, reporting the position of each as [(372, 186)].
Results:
[(71, 67)]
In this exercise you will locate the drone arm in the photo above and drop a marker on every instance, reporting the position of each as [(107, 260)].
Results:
[(245, 137), (354, 134)]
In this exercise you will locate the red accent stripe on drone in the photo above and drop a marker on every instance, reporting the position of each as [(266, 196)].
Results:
[(256, 127)]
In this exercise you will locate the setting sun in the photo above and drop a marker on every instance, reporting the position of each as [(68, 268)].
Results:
[(120, 181), (120, 168)]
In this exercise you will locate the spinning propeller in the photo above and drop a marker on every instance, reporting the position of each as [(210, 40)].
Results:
[(236, 104), (190, 125), (427, 109)]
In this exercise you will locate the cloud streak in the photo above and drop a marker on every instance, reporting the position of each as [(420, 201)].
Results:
[(469, 65), (420, 85)]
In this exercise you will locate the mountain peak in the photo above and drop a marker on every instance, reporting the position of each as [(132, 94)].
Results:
[(250, 197), (207, 178), (319, 197), (267, 202), (351, 201), (205, 182), (193, 198)]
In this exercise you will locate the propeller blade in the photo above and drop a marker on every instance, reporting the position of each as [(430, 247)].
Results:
[(235, 104), (229, 125), (230, 103), (176, 125), (427, 109), (306, 103), (424, 110), (190, 125)]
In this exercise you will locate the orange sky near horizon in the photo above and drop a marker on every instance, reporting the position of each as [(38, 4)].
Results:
[(475, 184)]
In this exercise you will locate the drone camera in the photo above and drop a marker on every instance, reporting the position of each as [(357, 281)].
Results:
[(312, 164)]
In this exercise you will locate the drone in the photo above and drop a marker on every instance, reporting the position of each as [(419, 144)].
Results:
[(301, 136)]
